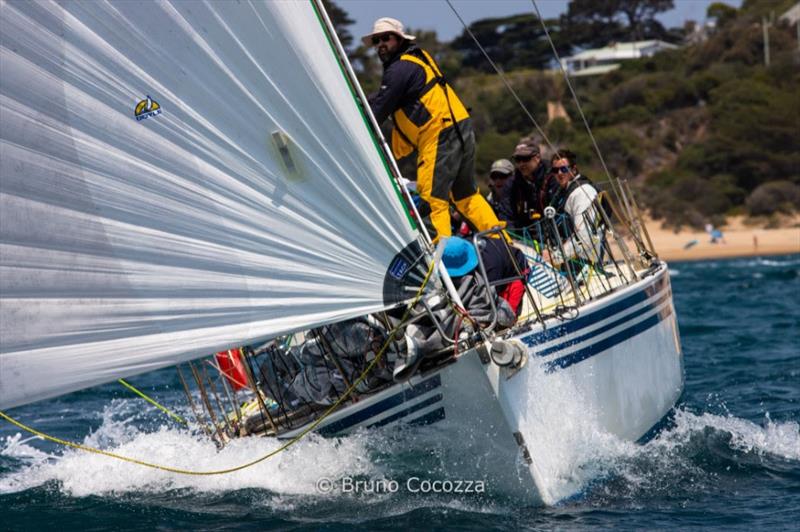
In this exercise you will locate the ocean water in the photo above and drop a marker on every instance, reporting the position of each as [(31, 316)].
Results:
[(730, 459)]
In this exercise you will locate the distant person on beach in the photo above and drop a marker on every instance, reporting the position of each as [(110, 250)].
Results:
[(428, 117), (576, 199), (716, 234), (529, 188)]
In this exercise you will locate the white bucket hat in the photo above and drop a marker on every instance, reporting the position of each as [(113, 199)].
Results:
[(386, 25)]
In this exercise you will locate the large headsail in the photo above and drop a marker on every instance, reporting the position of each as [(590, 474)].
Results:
[(178, 178)]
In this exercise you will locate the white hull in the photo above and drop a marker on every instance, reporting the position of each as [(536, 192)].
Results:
[(614, 371)]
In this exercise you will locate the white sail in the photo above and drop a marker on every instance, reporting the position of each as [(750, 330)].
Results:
[(179, 178)]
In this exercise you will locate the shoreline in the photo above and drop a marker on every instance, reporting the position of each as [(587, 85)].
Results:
[(671, 258), (738, 240)]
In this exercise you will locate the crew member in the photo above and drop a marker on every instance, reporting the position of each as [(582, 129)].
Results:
[(500, 175), (577, 200), (530, 188), (429, 117)]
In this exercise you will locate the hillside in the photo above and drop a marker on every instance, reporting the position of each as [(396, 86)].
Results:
[(704, 131)]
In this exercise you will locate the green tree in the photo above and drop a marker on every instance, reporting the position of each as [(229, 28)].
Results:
[(516, 41), (597, 22), (754, 131), (765, 8), (722, 13), (340, 20)]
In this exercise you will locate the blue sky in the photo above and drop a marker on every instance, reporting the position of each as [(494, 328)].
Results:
[(436, 14)]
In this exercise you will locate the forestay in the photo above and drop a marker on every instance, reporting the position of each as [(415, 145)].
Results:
[(247, 199)]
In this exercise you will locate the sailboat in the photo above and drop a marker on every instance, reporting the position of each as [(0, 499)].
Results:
[(182, 179)]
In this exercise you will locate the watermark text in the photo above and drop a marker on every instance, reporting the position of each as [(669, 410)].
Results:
[(410, 485)]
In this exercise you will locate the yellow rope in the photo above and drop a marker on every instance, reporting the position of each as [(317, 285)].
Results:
[(141, 394), (283, 447)]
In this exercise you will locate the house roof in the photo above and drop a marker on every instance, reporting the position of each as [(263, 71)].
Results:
[(792, 15), (620, 50)]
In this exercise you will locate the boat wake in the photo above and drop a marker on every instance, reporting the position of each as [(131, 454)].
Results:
[(701, 454), (576, 460), (79, 473), (689, 456)]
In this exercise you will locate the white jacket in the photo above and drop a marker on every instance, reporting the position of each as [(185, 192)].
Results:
[(582, 243)]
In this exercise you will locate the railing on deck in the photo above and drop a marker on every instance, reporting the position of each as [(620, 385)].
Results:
[(566, 269), (569, 268)]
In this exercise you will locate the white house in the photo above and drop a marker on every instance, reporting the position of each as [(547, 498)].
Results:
[(792, 15), (602, 60)]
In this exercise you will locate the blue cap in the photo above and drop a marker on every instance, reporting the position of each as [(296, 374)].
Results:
[(459, 257)]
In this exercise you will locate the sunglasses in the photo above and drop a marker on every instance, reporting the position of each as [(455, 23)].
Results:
[(562, 169), (525, 158), (497, 176), (386, 37)]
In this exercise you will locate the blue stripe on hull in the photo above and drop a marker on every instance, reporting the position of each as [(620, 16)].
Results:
[(607, 327), (584, 321), (608, 343), (403, 413), (381, 406), (531, 340), (429, 418)]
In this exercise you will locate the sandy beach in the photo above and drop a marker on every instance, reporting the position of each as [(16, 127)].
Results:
[(739, 240)]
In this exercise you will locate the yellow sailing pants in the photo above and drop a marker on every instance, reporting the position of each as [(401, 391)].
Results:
[(446, 171)]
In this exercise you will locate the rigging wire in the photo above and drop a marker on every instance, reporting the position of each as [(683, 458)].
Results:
[(272, 453), (614, 186), (503, 77), (572, 91)]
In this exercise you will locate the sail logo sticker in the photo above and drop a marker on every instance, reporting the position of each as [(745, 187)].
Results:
[(147, 108), (399, 268)]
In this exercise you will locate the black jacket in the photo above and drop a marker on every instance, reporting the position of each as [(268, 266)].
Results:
[(501, 203), (401, 86), (530, 197), (497, 262)]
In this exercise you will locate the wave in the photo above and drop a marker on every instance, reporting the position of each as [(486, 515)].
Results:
[(574, 456), (746, 262), (17, 447), (674, 458), (773, 263), (781, 440), (79, 473), (701, 454)]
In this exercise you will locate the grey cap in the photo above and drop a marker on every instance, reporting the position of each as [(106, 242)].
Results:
[(502, 166)]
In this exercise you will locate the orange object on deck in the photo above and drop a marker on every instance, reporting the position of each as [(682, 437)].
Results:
[(232, 366)]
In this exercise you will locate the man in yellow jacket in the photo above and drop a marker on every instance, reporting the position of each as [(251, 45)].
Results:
[(428, 116)]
